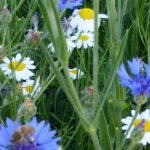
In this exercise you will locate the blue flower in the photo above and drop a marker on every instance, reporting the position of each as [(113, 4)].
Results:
[(30, 136), (139, 79), (70, 4)]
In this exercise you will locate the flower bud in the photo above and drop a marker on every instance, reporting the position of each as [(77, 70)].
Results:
[(5, 16), (137, 134), (87, 101), (33, 38), (28, 109), (140, 100)]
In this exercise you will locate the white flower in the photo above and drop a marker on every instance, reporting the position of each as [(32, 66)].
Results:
[(31, 87), (142, 121), (75, 73), (85, 39), (83, 19), (70, 45), (18, 67)]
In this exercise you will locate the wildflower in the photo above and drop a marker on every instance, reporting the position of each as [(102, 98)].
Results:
[(85, 39), (141, 123), (70, 4), (30, 136), (83, 19), (18, 67), (31, 87), (33, 36), (70, 45), (75, 73), (139, 80)]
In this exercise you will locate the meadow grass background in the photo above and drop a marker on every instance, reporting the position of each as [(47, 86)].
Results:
[(82, 122)]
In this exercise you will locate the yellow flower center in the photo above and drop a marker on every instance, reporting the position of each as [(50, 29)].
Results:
[(74, 71), (84, 37), (86, 13), (17, 66), (144, 123), (28, 88)]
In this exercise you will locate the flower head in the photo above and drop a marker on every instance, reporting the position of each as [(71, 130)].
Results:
[(84, 39), (75, 73), (31, 87), (138, 82), (141, 122), (30, 136), (83, 19), (70, 4), (18, 67)]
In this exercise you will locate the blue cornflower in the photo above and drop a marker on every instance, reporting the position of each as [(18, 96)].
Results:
[(139, 80), (30, 136), (70, 4)]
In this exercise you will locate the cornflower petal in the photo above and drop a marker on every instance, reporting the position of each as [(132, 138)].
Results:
[(45, 140), (135, 66)]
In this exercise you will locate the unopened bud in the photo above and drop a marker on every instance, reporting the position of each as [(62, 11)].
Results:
[(5, 16), (28, 109), (33, 38), (137, 134), (87, 100), (140, 100)]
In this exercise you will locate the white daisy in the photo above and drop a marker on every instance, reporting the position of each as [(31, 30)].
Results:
[(142, 121), (18, 67), (83, 19), (75, 73), (70, 45), (31, 87), (85, 39)]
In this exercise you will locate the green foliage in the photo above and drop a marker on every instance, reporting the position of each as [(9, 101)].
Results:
[(83, 122)]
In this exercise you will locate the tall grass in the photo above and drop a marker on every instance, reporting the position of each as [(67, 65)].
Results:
[(61, 101)]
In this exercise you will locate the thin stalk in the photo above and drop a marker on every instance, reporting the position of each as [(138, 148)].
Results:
[(95, 54), (95, 139), (74, 95)]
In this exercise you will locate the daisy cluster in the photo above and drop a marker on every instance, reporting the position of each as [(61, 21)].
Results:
[(20, 68), (78, 29), (22, 134), (136, 77)]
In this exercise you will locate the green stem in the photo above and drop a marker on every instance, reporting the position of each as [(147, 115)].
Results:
[(95, 139), (95, 54)]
